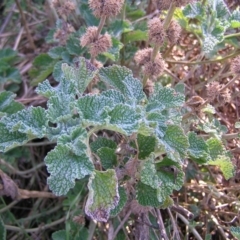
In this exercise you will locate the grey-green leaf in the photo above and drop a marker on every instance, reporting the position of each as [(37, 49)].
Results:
[(108, 157), (32, 121), (81, 74), (103, 195), (10, 139), (102, 142), (198, 149), (8, 105), (64, 167), (122, 201)]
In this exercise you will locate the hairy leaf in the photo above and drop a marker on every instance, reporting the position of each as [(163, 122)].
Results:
[(93, 109), (32, 121), (81, 74), (64, 167), (8, 105), (123, 119), (108, 157), (103, 195), (198, 149), (10, 139), (122, 201), (175, 142), (122, 79), (164, 98), (149, 173), (146, 145), (235, 231), (172, 177), (102, 142), (146, 195)]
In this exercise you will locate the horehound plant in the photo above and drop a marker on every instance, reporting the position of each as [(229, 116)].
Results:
[(129, 147)]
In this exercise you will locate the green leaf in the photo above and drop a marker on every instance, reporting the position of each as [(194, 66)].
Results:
[(175, 142), (56, 52), (136, 35), (220, 157), (102, 142), (146, 145), (123, 119), (103, 195), (235, 231), (73, 44), (198, 149), (2, 230), (237, 125), (76, 141), (149, 173), (225, 164), (194, 10), (122, 201), (80, 75), (8, 105), (221, 9), (114, 52), (11, 74), (42, 67), (158, 122), (93, 109), (45, 89), (64, 167), (171, 176), (59, 235), (165, 98), (32, 121), (10, 139), (146, 195), (115, 96), (7, 55), (108, 157), (122, 79), (61, 104)]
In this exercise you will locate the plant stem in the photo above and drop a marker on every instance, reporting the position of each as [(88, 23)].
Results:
[(192, 229), (218, 59), (92, 228), (229, 83), (30, 39), (121, 224), (161, 226), (232, 35), (38, 229), (100, 27)]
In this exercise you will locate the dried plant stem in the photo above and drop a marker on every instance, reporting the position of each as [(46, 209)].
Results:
[(29, 36), (38, 229), (121, 225), (21, 173), (229, 83), (4, 209), (192, 229), (175, 229), (218, 59), (161, 225)]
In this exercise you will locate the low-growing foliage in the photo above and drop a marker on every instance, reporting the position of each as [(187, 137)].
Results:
[(128, 137)]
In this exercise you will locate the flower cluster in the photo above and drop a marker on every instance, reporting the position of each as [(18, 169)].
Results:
[(152, 68), (106, 8)]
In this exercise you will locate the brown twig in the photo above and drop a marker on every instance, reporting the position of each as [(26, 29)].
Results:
[(29, 36)]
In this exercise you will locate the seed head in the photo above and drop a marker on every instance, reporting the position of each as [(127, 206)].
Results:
[(102, 44), (155, 68), (89, 37), (213, 89), (62, 34), (105, 7), (173, 32), (143, 56), (165, 4), (235, 66), (156, 31), (56, 3)]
